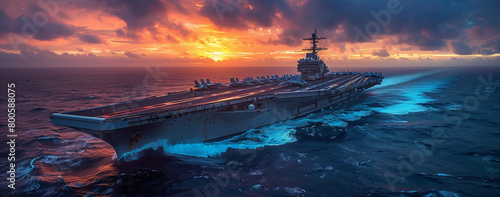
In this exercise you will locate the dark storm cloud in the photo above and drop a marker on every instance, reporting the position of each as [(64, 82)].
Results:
[(120, 33), (223, 16), (133, 55), (381, 53), (493, 44), (171, 39), (236, 14), (289, 37), (30, 55), (140, 15), (31, 52), (264, 11), (53, 31), (90, 38), (6, 23), (425, 24), (425, 43), (487, 52), (460, 48), (49, 31)]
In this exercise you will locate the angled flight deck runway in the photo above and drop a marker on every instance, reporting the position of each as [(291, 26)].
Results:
[(231, 94)]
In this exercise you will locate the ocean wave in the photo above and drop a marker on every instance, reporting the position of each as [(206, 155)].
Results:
[(54, 140), (294, 190), (433, 193), (441, 194), (337, 118), (36, 109), (57, 162)]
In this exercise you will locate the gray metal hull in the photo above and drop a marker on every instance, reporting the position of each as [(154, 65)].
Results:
[(212, 125)]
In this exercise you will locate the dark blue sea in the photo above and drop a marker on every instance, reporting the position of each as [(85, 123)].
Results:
[(432, 132)]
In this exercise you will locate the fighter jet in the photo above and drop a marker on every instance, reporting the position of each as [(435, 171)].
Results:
[(207, 85), (295, 80), (237, 83)]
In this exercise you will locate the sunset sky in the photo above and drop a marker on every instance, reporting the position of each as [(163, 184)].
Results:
[(247, 33)]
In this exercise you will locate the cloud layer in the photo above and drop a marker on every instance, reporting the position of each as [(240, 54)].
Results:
[(425, 24), (233, 30)]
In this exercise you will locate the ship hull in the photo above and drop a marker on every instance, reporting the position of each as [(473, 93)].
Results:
[(213, 125)]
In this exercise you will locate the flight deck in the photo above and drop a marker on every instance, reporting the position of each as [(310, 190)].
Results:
[(183, 100)]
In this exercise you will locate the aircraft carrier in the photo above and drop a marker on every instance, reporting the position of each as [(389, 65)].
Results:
[(215, 111)]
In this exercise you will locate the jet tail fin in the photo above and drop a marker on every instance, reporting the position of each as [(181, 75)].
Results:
[(203, 82), (198, 85)]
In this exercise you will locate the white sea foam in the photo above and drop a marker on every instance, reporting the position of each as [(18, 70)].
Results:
[(294, 190), (442, 174), (338, 118), (277, 134), (411, 97), (442, 193)]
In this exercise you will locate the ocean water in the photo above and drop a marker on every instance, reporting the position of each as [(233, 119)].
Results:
[(423, 132)]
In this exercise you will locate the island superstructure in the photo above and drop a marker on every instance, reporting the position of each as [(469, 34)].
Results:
[(216, 111), (312, 67)]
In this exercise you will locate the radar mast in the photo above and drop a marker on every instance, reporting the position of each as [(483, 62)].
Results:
[(315, 49)]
